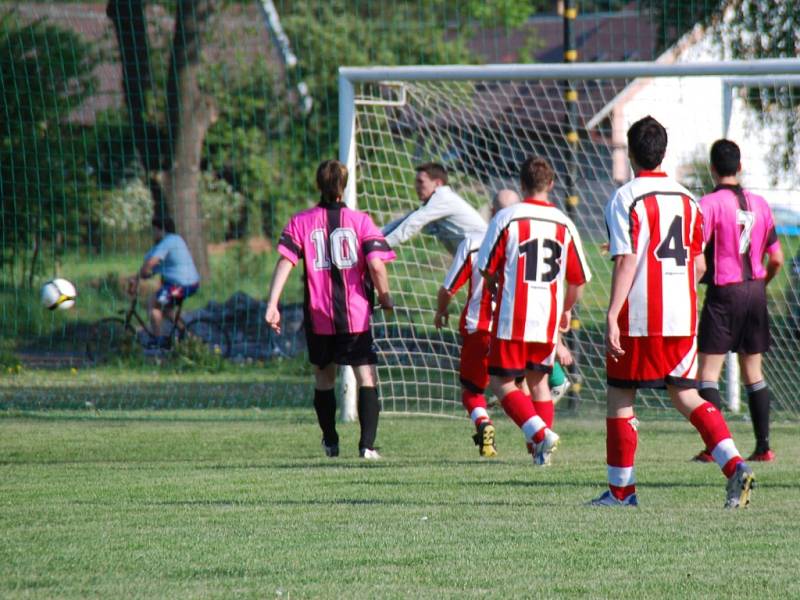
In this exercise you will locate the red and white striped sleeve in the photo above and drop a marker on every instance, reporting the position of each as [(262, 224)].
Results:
[(460, 269)]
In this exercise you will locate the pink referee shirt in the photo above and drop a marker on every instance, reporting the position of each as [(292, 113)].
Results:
[(739, 231), (335, 243)]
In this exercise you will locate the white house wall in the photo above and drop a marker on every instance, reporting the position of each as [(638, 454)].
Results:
[(691, 110)]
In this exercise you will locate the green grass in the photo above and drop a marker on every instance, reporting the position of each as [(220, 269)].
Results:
[(242, 504)]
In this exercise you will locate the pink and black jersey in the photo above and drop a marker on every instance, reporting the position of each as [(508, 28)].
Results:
[(739, 231), (477, 313), (658, 220), (334, 243), (534, 248)]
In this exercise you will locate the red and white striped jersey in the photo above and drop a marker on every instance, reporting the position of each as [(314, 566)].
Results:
[(477, 313), (658, 220), (533, 247)]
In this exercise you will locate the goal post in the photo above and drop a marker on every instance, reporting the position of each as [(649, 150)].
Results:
[(481, 121)]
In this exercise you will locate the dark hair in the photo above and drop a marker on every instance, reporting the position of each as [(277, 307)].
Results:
[(164, 223), (535, 174), (647, 142), (434, 171), (725, 157), (331, 180)]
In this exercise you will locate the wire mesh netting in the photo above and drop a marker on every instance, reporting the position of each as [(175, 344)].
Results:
[(217, 113), (483, 130)]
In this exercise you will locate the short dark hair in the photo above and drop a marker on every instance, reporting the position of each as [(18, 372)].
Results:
[(535, 174), (164, 223), (647, 142), (434, 171), (725, 157), (331, 180)]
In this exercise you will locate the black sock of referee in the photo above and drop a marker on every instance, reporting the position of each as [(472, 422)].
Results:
[(325, 405), (758, 398), (368, 409), (709, 391)]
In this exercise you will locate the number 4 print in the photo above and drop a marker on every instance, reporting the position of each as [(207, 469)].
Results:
[(672, 245)]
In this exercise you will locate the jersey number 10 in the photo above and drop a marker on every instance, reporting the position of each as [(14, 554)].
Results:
[(343, 245)]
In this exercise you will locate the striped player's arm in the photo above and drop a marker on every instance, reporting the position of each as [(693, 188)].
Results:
[(457, 276), (491, 256), (622, 276)]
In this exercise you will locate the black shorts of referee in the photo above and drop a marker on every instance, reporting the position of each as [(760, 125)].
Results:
[(735, 319)]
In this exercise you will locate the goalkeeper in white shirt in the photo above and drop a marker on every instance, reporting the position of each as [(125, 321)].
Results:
[(443, 213)]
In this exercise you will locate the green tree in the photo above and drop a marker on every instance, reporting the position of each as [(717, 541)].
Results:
[(170, 146), (748, 29), (45, 183), (770, 29)]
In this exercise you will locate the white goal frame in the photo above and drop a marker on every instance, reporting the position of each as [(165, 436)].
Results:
[(743, 70)]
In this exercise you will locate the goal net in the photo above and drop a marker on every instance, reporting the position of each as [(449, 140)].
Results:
[(482, 122)]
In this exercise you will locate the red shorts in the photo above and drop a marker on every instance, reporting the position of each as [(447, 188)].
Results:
[(511, 358), (475, 361), (654, 362)]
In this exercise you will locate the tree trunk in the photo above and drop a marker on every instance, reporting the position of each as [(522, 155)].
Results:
[(181, 183), (189, 115), (130, 27), (171, 158)]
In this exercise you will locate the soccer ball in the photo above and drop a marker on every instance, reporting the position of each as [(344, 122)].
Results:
[(58, 294)]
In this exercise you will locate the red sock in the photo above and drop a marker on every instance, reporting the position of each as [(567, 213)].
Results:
[(621, 441), (520, 408), (546, 410), (711, 425), (472, 400)]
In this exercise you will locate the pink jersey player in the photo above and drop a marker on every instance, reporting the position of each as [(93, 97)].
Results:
[(339, 246), (336, 244), (740, 234)]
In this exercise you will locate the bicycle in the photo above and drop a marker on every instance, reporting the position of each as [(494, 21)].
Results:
[(115, 336)]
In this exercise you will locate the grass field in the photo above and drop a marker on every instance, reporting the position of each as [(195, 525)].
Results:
[(240, 503)]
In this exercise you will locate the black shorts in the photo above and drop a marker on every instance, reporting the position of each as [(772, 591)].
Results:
[(734, 319), (352, 349)]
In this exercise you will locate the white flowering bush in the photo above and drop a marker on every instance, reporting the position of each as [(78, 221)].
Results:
[(130, 208), (221, 205)]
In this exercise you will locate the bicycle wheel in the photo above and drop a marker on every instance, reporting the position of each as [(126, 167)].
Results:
[(109, 338), (212, 333)]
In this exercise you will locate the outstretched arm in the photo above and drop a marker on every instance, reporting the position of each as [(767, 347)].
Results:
[(442, 302), (621, 282), (144, 272), (413, 222), (380, 279), (279, 277), (148, 266), (574, 293)]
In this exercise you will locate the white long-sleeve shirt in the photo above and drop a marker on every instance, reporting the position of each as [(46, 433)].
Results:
[(445, 215)]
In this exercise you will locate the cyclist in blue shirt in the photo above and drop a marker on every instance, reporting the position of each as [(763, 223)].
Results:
[(169, 257)]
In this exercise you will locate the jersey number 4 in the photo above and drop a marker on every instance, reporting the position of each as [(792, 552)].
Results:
[(672, 246), (550, 258), (344, 248)]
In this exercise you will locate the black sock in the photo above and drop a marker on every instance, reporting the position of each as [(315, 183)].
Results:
[(709, 391), (368, 409), (758, 398), (325, 405)]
